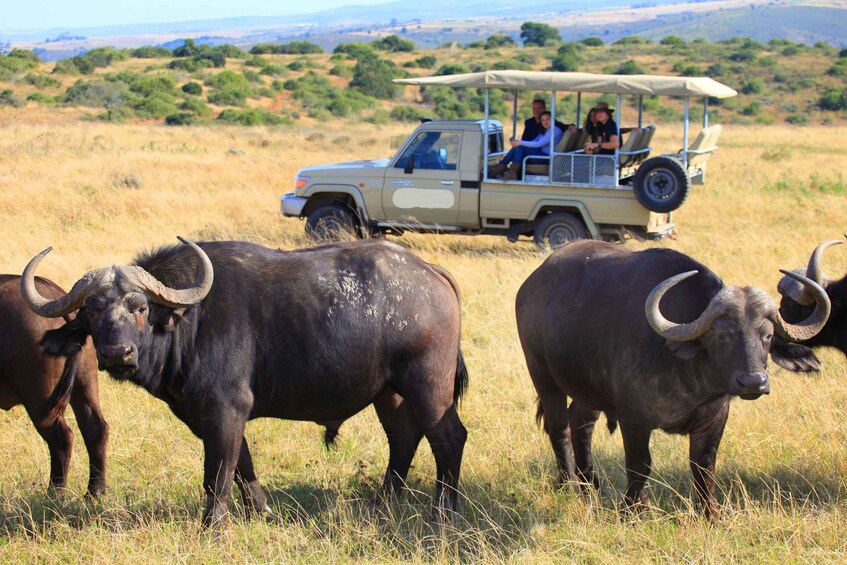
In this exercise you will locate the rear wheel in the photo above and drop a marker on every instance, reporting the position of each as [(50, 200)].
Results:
[(557, 228), (661, 184), (333, 222)]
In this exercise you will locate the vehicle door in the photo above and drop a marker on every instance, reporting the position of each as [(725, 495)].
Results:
[(422, 184)]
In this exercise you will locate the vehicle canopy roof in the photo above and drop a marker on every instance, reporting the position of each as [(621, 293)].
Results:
[(581, 82)]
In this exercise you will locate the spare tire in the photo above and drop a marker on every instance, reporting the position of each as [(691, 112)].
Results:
[(661, 184)]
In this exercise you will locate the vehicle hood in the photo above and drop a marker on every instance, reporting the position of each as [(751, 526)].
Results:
[(344, 168)]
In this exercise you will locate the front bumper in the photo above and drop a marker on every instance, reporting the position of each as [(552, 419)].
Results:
[(292, 205)]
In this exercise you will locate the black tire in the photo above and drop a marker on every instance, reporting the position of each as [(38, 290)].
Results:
[(558, 228), (661, 184), (332, 222)]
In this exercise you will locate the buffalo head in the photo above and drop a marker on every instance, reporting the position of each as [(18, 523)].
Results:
[(736, 331), (796, 303), (114, 308)]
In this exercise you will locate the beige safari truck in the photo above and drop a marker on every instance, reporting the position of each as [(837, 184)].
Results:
[(439, 182)]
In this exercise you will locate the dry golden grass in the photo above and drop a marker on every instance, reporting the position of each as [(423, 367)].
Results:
[(100, 193)]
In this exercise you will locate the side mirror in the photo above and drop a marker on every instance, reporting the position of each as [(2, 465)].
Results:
[(410, 166)]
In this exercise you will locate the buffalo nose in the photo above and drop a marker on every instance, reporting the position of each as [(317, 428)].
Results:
[(752, 385), (119, 354)]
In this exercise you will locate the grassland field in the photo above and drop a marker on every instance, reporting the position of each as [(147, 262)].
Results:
[(99, 193)]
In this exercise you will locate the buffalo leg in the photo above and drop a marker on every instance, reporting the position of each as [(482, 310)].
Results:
[(60, 441), (636, 444), (222, 434), (95, 433), (703, 451), (252, 494), (447, 440), (582, 420), (404, 435)]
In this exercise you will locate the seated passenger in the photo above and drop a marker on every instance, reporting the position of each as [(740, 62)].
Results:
[(532, 126), (607, 139), (511, 162)]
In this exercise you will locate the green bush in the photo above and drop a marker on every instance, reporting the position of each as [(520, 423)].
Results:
[(97, 94), (630, 67), (426, 62), (41, 98), (533, 33), (566, 59), (150, 52), (394, 44), (295, 66), (256, 61), (24, 55), (797, 119), (355, 50), (833, 99), (179, 119), (715, 70), (341, 70), (753, 86), (499, 40), (592, 42), (372, 76), (250, 117), (407, 114), (293, 48), (452, 69), (9, 98), (631, 40), (41, 81), (104, 56), (316, 95), (274, 71), (193, 88), (157, 105), (196, 106), (74, 66), (672, 40)]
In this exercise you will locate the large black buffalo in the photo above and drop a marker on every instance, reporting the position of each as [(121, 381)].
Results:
[(33, 379), (582, 324), (797, 303), (314, 335)]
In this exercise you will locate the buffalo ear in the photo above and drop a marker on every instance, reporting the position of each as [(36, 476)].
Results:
[(64, 341), (793, 356), (166, 319), (686, 350)]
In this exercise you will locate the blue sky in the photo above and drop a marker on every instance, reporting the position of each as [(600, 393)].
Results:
[(44, 14)]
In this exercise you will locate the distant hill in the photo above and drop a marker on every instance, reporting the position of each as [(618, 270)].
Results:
[(438, 22)]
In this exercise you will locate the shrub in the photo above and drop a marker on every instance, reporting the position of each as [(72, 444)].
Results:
[(295, 65), (193, 88), (149, 52), (9, 98), (340, 70), (672, 40), (293, 48), (24, 55), (10, 66), (97, 94), (499, 40), (250, 117), (197, 106), (274, 71), (355, 50), (394, 44), (256, 61), (715, 70), (533, 33), (630, 67), (41, 81), (373, 76), (566, 59), (631, 40), (105, 56), (797, 119), (158, 105), (592, 42), (742, 56), (426, 62), (753, 86), (41, 98), (406, 114), (74, 65), (452, 69), (833, 100), (180, 119)]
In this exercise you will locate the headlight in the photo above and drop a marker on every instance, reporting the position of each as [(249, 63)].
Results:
[(300, 182)]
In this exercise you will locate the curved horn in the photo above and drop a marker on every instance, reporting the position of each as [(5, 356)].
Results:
[(73, 300), (808, 328), (798, 292), (681, 332), (170, 297)]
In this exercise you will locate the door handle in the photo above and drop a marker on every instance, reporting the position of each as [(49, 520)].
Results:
[(402, 182), (447, 182)]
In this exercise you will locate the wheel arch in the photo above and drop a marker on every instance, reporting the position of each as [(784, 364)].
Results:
[(322, 195), (544, 207)]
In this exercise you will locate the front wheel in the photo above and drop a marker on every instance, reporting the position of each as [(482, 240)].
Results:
[(558, 228), (661, 184), (333, 222)]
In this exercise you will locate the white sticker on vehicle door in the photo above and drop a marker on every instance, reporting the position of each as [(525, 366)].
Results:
[(406, 198)]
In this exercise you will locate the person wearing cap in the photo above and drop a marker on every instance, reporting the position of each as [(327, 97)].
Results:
[(607, 139)]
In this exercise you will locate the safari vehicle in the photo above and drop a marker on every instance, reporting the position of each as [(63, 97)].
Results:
[(438, 181)]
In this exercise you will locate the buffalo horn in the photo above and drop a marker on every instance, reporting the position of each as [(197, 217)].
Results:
[(808, 328), (800, 293), (102, 278), (682, 332)]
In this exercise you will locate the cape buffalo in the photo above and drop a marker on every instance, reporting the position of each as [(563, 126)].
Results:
[(31, 378), (582, 324), (797, 303), (314, 335)]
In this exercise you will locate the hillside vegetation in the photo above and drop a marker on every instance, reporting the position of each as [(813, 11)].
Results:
[(778, 82)]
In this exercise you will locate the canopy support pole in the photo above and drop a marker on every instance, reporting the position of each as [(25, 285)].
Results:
[(485, 142), (640, 110), (686, 118), (578, 108), (705, 112), (514, 112)]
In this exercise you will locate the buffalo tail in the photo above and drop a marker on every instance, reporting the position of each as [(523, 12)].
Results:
[(61, 394)]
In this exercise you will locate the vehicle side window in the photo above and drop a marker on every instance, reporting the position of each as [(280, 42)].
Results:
[(433, 150)]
